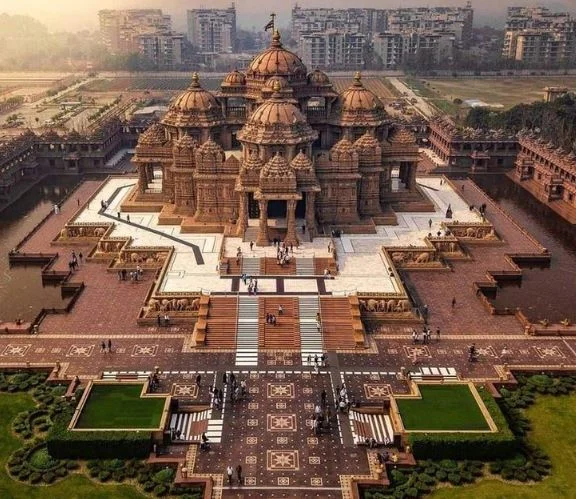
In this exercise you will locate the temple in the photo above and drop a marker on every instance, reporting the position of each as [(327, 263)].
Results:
[(277, 143)]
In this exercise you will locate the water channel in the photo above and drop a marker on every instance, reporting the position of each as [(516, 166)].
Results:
[(22, 294), (544, 293)]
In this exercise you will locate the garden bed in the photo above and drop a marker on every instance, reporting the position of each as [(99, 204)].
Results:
[(443, 407), (120, 407)]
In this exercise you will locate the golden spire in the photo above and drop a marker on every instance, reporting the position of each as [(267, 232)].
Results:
[(195, 79), (357, 78), (276, 38), (276, 86)]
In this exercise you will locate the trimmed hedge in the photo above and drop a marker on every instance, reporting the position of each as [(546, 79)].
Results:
[(64, 444), (479, 446)]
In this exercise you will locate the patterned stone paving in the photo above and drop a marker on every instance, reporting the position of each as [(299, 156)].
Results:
[(270, 432)]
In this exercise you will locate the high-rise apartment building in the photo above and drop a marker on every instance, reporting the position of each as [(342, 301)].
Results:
[(395, 48), (213, 31), (120, 29), (537, 36), (455, 20), (365, 21), (333, 49), (163, 50)]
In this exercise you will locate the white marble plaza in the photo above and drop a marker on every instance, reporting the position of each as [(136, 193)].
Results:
[(361, 262)]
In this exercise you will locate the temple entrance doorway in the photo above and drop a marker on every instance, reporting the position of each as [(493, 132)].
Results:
[(253, 208), (277, 208), (301, 206)]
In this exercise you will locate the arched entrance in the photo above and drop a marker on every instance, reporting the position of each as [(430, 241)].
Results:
[(277, 208)]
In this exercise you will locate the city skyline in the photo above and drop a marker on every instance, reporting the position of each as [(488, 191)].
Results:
[(250, 13)]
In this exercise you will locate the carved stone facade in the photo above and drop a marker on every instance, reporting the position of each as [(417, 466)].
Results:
[(276, 142)]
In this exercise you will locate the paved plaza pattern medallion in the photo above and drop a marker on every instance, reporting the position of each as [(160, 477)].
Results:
[(281, 422), (377, 391), (15, 350), (186, 391), (80, 351), (280, 390), (282, 460), (144, 350)]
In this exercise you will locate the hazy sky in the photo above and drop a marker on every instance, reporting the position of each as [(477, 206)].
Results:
[(80, 14)]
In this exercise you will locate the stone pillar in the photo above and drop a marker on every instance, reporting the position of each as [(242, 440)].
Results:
[(242, 223), (262, 239), (412, 176), (142, 178), (291, 237), (150, 173), (310, 215)]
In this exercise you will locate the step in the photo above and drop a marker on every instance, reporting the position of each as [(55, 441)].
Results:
[(251, 266), (305, 266)]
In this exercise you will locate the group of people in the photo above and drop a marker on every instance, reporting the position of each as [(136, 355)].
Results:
[(282, 256), (252, 283), (425, 336), (163, 320), (230, 474), (322, 415), (135, 275), (106, 347), (153, 382), (270, 319), (73, 263)]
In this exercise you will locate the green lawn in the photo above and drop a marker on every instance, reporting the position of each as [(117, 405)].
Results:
[(552, 423), (120, 406), (442, 407), (73, 487)]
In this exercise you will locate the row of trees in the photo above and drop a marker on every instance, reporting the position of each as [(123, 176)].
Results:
[(555, 121)]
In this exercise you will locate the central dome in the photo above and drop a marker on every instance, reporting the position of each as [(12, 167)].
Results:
[(277, 120), (277, 61)]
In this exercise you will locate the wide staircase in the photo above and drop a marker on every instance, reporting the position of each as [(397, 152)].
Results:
[(250, 234), (305, 266), (337, 323), (272, 267), (251, 266), (221, 322), (285, 335), (247, 337), (310, 336), (371, 424)]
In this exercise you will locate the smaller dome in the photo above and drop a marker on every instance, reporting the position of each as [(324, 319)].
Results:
[(210, 148), (277, 167), (276, 84), (186, 142), (301, 162), (343, 146), (234, 79), (153, 136), (402, 136), (253, 162), (318, 78), (367, 142)]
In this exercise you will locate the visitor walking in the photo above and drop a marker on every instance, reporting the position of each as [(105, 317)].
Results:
[(430, 223), (103, 348), (437, 334), (229, 472), (239, 474), (110, 346), (251, 245), (198, 380), (453, 302)]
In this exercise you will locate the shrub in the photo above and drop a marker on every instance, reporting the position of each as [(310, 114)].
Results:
[(149, 486), (40, 460), (454, 478), (61, 472), (65, 444), (24, 474), (104, 475), (48, 477), (35, 477), (118, 476), (164, 476), (441, 475), (160, 490), (72, 465)]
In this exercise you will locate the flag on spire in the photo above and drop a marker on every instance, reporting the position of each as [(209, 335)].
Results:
[(270, 24)]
